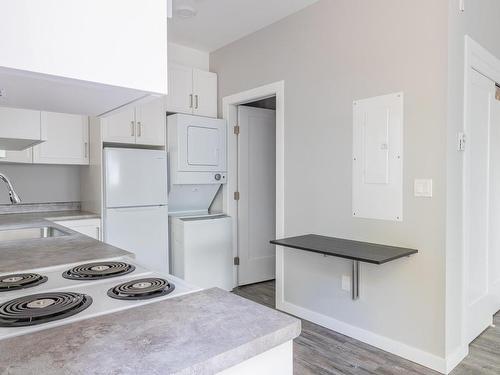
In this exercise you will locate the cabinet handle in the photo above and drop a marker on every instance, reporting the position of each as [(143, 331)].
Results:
[(132, 128), (98, 232), (196, 102), (190, 100), (139, 129), (86, 150)]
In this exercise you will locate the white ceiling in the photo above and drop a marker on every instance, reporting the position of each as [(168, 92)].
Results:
[(220, 22)]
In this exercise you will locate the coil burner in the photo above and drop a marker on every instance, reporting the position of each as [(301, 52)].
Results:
[(42, 308), (20, 281), (100, 270), (141, 289)]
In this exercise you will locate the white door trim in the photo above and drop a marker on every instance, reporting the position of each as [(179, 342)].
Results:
[(230, 114), (477, 58)]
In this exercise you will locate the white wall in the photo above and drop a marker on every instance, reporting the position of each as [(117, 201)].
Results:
[(188, 56), (480, 21), (330, 54), (42, 183), (114, 42)]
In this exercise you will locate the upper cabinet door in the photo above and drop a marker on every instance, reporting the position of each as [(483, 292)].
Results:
[(205, 93), (180, 97), (151, 123), (19, 123), (119, 127), (67, 139)]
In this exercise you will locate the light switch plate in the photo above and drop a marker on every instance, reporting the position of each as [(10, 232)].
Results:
[(423, 188)]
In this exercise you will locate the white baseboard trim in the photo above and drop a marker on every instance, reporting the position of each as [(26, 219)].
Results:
[(455, 358), (410, 353)]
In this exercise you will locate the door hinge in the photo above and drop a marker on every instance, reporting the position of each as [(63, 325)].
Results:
[(236, 129), (236, 261), (236, 195), (461, 141)]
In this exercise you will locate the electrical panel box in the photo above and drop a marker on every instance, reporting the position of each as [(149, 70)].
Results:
[(377, 186)]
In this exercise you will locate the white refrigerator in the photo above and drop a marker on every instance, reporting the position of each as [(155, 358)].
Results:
[(135, 204)]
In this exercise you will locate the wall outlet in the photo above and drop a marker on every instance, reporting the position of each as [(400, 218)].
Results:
[(2, 93), (346, 283)]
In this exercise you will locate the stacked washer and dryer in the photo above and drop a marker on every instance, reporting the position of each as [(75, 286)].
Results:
[(200, 240)]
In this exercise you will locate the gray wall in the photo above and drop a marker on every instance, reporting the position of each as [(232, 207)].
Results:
[(481, 21), (330, 54), (42, 183)]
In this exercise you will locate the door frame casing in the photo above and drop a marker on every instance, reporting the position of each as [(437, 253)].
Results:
[(230, 114), (478, 59)]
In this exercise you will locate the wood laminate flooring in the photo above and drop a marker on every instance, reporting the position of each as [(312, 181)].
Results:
[(319, 350)]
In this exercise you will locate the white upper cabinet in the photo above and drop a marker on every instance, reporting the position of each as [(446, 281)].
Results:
[(205, 93), (67, 140), (192, 91), (119, 127), (151, 121), (180, 88), (100, 54), (144, 125), (19, 128)]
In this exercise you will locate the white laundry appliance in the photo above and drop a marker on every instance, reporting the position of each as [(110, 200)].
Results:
[(201, 249), (135, 215)]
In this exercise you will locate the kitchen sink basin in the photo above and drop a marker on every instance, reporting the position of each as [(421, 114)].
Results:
[(30, 233)]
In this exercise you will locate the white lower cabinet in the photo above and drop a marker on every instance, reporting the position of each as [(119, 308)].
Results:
[(67, 140), (88, 227)]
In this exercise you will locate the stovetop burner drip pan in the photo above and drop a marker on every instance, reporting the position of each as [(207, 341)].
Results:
[(20, 281), (42, 308), (141, 289), (99, 270)]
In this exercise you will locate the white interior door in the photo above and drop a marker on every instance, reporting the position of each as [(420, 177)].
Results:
[(257, 187), (481, 95), (494, 246)]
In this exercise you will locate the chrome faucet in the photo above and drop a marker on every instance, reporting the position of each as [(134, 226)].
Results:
[(14, 198)]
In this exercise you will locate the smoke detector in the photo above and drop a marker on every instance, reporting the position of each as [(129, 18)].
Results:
[(185, 11)]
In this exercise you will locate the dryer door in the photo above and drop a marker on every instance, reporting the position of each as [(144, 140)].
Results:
[(202, 144)]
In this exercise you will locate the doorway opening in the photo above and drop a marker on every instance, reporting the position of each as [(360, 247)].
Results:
[(254, 193), (481, 181), (256, 190)]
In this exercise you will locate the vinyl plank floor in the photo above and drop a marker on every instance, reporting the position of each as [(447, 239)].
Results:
[(321, 351)]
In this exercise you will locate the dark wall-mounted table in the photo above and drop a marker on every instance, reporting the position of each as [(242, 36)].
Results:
[(348, 249)]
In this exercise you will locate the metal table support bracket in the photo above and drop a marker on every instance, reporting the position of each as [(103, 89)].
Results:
[(355, 280)]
